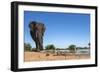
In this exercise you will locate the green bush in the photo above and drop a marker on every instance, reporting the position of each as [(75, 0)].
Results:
[(50, 47), (72, 48), (27, 47)]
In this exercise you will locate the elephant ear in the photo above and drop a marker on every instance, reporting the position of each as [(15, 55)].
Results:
[(32, 25)]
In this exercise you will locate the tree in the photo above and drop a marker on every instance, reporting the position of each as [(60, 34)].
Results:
[(72, 48), (50, 47), (27, 47)]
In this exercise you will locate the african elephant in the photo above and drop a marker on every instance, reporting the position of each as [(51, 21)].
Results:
[(37, 30)]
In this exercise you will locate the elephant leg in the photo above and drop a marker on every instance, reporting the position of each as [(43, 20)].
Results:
[(39, 40), (37, 45), (41, 43)]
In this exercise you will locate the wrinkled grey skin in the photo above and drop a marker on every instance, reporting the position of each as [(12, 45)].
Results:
[(37, 30)]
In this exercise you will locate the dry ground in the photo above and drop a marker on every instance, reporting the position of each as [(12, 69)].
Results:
[(39, 56)]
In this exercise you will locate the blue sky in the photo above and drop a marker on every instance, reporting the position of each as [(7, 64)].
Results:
[(62, 29)]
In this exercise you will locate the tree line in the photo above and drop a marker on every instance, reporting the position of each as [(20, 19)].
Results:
[(72, 48)]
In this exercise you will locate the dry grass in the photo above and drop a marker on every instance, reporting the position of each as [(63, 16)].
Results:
[(38, 56)]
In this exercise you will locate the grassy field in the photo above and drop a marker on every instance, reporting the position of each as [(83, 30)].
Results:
[(39, 56)]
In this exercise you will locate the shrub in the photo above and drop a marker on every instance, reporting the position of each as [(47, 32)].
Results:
[(50, 47), (27, 47), (72, 48)]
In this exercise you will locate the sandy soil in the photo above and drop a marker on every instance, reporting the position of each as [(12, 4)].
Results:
[(39, 56)]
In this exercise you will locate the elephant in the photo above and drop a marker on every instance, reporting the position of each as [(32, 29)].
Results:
[(37, 30)]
